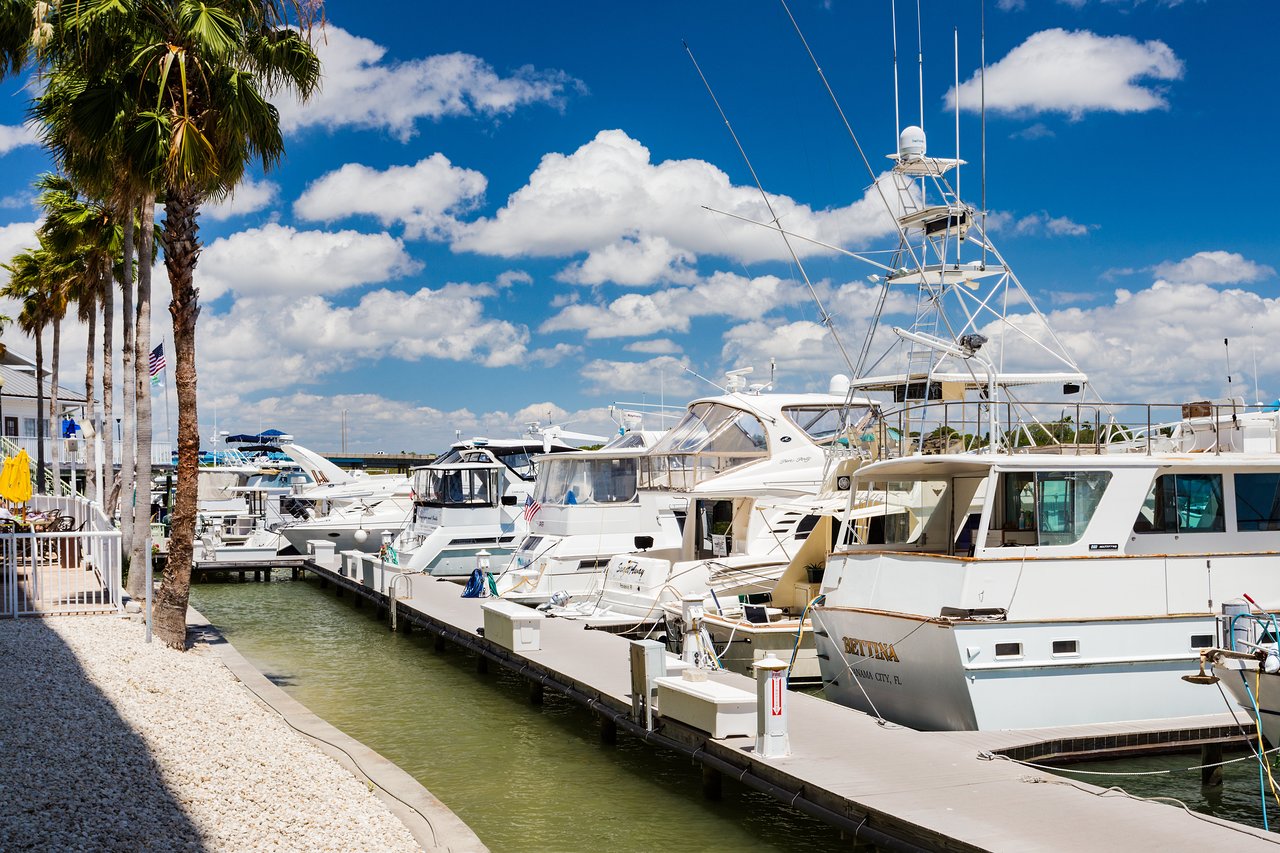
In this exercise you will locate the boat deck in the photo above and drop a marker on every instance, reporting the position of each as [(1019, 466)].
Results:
[(891, 786)]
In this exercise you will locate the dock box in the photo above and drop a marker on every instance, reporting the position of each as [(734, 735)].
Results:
[(323, 552), (513, 626), (710, 706)]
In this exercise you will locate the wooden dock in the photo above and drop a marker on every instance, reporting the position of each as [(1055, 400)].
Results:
[(892, 787), (242, 570)]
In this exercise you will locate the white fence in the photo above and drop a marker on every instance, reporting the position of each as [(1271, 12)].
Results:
[(68, 562), (73, 450)]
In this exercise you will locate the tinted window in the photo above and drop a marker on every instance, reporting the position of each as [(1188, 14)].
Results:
[(1258, 501), (1183, 503)]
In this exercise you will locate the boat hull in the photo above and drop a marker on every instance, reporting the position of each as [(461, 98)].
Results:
[(938, 674)]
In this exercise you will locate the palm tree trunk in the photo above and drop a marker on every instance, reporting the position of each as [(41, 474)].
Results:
[(108, 427), (40, 430), (182, 249), (142, 365), (136, 585), (55, 422), (91, 484)]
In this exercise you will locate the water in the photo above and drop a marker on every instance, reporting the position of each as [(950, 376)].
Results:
[(1237, 799), (522, 777)]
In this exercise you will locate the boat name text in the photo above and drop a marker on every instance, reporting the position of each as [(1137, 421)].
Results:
[(870, 649)]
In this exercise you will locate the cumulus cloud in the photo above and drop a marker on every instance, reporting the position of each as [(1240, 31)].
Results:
[(249, 196), (362, 87), (278, 259), (17, 237), (655, 346), (644, 222), (307, 338), (1075, 72), (315, 420), (14, 136), (425, 197), (633, 261), (664, 376), (671, 310), (1216, 267), (802, 347), (1040, 222)]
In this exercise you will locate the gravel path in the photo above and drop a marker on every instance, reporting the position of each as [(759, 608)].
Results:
[(107, 743)]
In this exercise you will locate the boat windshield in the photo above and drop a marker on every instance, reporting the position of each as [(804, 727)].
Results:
[(711, 439), (566, 481), (448, 487), (824, 424)]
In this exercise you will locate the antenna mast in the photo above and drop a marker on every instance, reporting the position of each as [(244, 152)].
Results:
[(955, 35), (982, 85), (920, 60), (897, 118)]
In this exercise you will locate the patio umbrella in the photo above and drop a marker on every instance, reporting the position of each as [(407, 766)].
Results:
[(6, 477), (20, 484)]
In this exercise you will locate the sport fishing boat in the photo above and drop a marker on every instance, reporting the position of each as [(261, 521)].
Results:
[(738, 460), (471, 499), (1057, 570), (586, 507)]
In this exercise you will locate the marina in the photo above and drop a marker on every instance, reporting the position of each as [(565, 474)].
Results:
[(894, 786)]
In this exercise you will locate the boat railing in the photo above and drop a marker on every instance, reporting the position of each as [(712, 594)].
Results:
[(958, 426)]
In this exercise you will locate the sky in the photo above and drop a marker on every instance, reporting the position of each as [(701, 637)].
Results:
[(496, 213)]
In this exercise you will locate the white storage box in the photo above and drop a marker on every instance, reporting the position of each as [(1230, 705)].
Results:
[(513, 626), (722, 710)]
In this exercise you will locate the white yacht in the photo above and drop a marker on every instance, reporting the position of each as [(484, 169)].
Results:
[(738, 459), (1069, 566), (471, 499), (349, 509), (586, 507)]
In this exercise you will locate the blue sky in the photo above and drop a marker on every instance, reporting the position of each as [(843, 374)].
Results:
[(493, 212)]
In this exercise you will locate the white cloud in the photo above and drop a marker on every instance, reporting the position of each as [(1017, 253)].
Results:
[(17, 237), (637, 315), (278, 259), (363, 88), (1035, 131), (609, 200), (1216, 267), (14, 136), (633, 261), (657, 378), (426, 197), (654, 346), (386, 423), (1040, 222), (274, 342), (1075, 72), (802, 347), (249, 196)]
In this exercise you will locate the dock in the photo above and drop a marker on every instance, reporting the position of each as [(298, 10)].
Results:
[(885, 785), (241, 570)]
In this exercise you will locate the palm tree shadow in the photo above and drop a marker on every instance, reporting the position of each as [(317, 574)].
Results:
[(73, 773)]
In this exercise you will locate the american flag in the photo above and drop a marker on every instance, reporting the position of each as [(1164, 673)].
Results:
[(531, 508), (155, 363)]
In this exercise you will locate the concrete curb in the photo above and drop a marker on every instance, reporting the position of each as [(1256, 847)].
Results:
[(430, 821)]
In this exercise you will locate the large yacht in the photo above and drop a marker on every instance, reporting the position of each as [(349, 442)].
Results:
[(469, 500), (586, 507), (737, 460)]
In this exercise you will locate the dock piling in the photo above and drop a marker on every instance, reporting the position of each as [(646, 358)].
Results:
[(1211, 753), (711, 783)]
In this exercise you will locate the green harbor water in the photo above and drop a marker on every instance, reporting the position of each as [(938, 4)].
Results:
[(531, 778), (523, 777)]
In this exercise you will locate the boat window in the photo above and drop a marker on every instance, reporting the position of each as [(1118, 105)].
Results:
[(710, 439), (1183, 503), (445, 487), (805, 526), (1038, 508), (566, 481), (919, 502), (1258, 501), (519, 460), (824, 424)]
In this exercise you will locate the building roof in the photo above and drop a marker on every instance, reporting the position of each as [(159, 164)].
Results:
[(19, 374)]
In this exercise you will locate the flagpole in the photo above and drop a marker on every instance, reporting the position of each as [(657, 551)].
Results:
[(168, 423)]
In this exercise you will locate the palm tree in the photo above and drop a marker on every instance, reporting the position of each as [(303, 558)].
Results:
[(179, 119), (29, 276), (85, 227)]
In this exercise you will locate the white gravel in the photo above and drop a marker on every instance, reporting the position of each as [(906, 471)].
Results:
[(110, 744)]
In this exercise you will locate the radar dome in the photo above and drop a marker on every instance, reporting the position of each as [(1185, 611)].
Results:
[(911, 143), (839, 385)]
